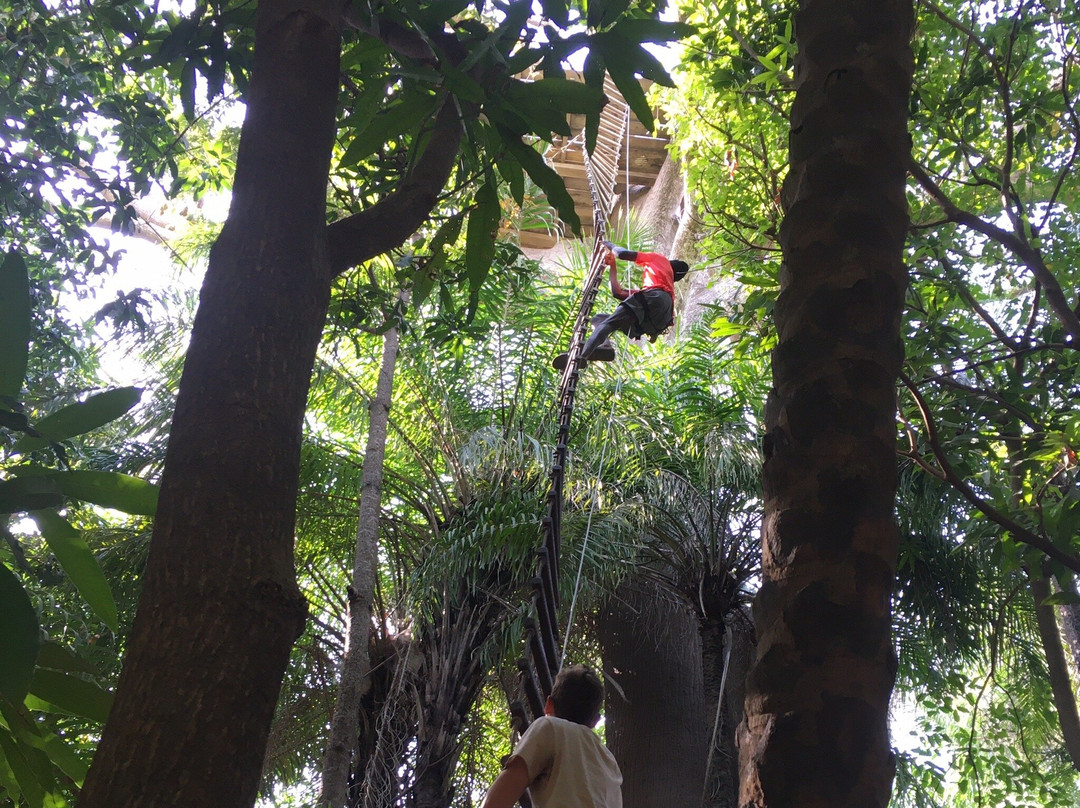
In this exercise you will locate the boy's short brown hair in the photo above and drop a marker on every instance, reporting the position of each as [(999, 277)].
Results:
[(578, 695)]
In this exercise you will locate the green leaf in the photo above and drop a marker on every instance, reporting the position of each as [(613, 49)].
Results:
[(18, 637), (602, 13), (82, 568), (59, 692), (643, 29), (440, 11), (546, 177), (558, 11), (559, 95), (65, 758), (60, 658), (513, 176), (14, 323), (51, 750), (391, 124), (109, 489), (76, 419), (1062, 598), (8, 781), (594, 72), (28, 493), (22, 771), (481, 233)]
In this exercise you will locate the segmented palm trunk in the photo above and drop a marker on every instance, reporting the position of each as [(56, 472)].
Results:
[(654, 705), (817, 700)]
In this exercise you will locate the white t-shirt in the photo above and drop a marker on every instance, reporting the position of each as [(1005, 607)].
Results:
[(568, 766)]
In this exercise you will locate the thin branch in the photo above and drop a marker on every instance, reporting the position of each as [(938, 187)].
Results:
[(1018, 531), (1029, 256)]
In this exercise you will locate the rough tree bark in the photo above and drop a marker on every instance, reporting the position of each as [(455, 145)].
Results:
[(816, 727), (220, 608), (355, 662), (656, 725), (661, 209)]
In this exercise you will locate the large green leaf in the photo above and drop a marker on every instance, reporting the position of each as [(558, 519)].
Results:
[(29, 493), (82, 568), (646, 29), (18, 637), (14, 323), (61, 658), (8, 781), (51, 750), (109, 489), (401, 118), (601, 13), (65, 758), (22, 771), (547, 178), (54, 691), (96, 411), (480, 236), (558, 11)]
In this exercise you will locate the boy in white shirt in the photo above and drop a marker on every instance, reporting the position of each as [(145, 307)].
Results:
[(560, 759)]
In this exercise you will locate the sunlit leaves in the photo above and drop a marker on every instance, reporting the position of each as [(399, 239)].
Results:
[(71, 551)]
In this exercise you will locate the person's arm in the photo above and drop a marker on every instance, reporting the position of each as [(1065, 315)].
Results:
[(616, 288), (508, 786), (620, 252)]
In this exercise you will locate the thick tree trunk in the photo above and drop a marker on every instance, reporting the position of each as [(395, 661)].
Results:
[(220, 608), (355, 663), (1070, 630), (816, 727), (1058, 667), (656, 725), (661, 210)]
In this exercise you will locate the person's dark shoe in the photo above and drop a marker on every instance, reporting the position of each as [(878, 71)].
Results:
[(559, 362), (605, 352)]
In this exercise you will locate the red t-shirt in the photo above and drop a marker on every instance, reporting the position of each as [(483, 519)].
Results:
[(658, 273)]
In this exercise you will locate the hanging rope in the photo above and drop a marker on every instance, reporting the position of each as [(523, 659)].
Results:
[(588, 530), (719, 704)]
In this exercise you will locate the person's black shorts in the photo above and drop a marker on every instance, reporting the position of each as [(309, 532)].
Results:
[(653, 311)]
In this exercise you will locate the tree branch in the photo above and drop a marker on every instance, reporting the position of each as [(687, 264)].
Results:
[(1018, 531), (1030, 257), (397, 216)]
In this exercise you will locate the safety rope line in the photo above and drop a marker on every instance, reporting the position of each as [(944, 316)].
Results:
[(593, 500), (541, 659)]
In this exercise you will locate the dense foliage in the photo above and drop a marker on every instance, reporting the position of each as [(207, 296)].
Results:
[(107, 105)]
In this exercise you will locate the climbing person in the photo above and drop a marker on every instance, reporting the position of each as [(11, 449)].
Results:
[(562, 762), (648, 310)]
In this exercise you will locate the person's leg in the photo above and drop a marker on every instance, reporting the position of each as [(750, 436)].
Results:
[(619, 320)]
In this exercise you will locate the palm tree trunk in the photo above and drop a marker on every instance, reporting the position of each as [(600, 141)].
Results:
[(355, 663), (724, 710), (816, 726), (654, 720)]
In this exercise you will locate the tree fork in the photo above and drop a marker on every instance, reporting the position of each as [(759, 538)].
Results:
[(816, 726), (220, 608)]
